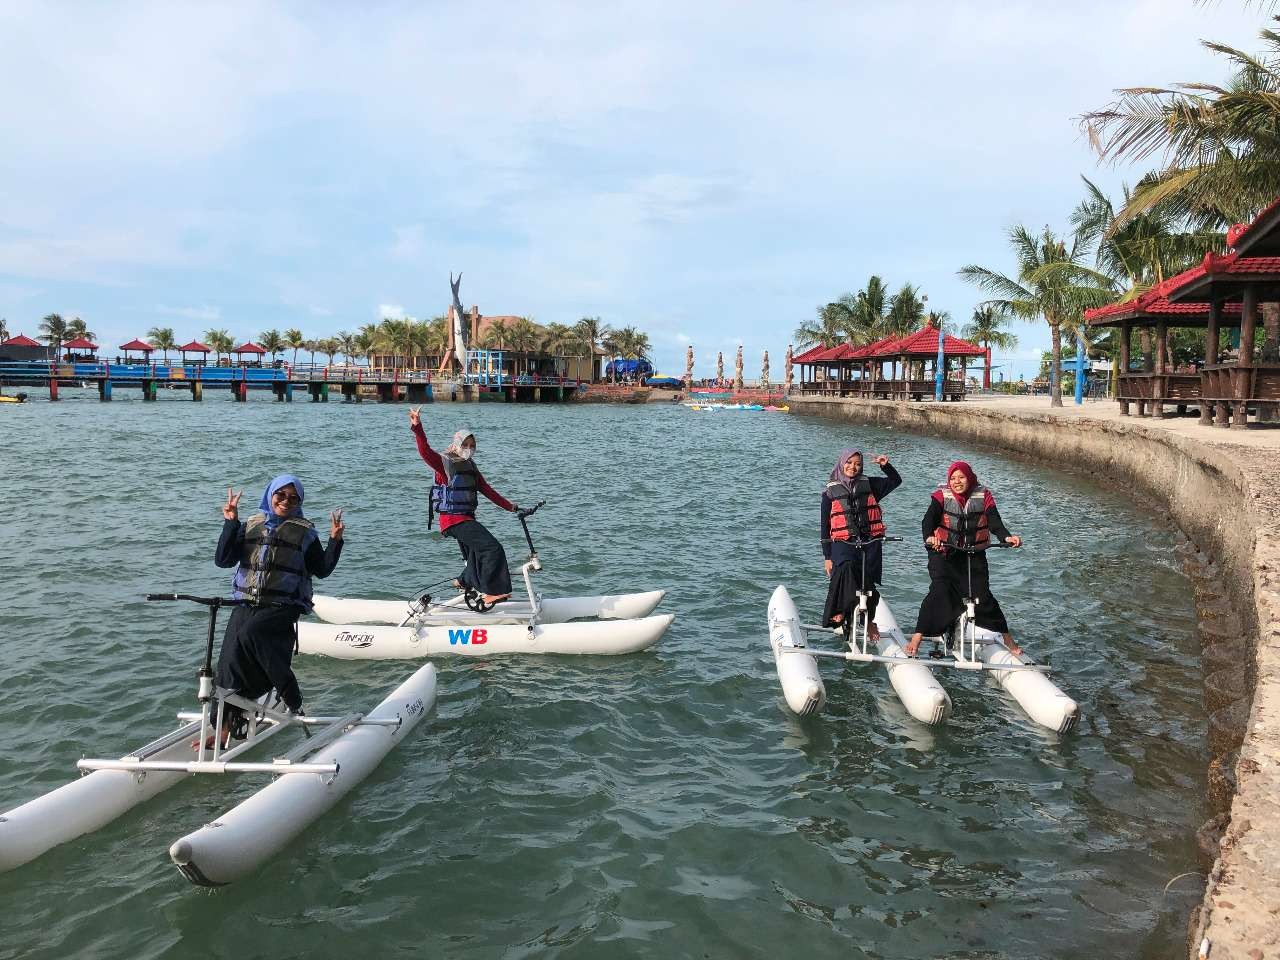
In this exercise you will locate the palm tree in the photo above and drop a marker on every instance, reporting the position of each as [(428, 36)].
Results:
[(78, 328), (1051, 282), (435, 337), (987, 328), (906, 311), (497, 333), (4, 329), (220, 342), (346, 344), (556, 338), (162, 339), (329, 346), (294, 340), (54, 330), (524, 335), (591, 331), (833, 324), (271, 341)]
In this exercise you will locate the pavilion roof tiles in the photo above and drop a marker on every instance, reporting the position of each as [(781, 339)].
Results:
[(136, 345), (249, 347), (19, 341), (80, 343), (1245, 233), (924, 342), (808, 355), (195, 346)]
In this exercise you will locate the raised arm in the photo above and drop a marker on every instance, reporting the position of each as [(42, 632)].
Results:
[(431, 458), (231, 541), (883, 486)]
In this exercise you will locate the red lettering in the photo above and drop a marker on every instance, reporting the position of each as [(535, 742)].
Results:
[(479, 636)]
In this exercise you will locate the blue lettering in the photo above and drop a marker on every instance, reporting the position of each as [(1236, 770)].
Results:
[(459, 636)]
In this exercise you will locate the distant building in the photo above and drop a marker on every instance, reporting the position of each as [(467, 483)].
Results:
[(23, 348)]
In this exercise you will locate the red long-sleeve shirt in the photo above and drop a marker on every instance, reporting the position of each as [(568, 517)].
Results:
[(436, 463)]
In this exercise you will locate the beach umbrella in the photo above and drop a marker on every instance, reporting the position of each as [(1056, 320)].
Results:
[(720, 367), (787, 368), (737, 370), (939, 368), (688, 367), (764, 373)]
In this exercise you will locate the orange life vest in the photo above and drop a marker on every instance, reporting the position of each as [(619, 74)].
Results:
[(856, 515), (963, 524)]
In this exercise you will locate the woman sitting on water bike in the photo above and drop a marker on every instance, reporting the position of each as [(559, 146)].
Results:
[(454, 496), (850, 517), (962, 514)]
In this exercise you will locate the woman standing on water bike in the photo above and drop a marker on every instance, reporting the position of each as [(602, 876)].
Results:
[(455, 496), (962, 514), (851, 515)]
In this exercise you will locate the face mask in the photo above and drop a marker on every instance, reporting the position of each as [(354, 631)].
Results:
[(466, 453)]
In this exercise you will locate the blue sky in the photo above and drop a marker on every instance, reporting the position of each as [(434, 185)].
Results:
[(709, 172)]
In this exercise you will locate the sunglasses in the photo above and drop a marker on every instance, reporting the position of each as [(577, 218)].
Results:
[(286, 497)]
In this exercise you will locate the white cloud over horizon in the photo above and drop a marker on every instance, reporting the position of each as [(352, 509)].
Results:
[(709, 173)]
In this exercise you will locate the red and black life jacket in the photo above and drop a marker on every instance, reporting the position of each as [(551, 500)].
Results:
[(854, 515), (964, 524)]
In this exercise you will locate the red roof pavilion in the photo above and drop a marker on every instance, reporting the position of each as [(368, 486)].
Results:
[(19, 341), (250, 347), (195, 346), (136, 345), (924, 343), (80, 343)]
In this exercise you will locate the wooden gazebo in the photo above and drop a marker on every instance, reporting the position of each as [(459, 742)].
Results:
[(195, 346), (1223, 291), (81, 350), (137, 346), (250, 348), (834, 367)]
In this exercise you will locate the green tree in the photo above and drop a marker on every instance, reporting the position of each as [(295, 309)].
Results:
[(4, 329), (272, 342), (294, 341), (987, 328), (591, 331), (1051, 282), (162, 339), (833, 324), (54, 331), (346, 344), (220, 342), (906, 311), (496, 334), (78, 328)]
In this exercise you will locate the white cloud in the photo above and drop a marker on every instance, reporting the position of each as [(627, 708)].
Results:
[(204, 314), (391, 311)]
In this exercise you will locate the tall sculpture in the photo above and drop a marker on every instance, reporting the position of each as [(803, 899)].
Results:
[(787, 367), (737, 370), (458, 340), (688, 367), (764, 373), (720, 369)]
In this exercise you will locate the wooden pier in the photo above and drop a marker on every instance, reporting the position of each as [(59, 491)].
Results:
[(352, 383)]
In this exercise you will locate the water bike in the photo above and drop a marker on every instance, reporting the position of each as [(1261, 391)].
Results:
[(335, 754), (965, 646), (466, 625)]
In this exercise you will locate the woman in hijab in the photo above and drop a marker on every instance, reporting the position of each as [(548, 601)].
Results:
[(851, 525), (962, 513), (276, 553), (455, 496)]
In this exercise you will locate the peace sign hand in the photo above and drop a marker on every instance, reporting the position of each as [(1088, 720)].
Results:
[(414, 418), (336, 526), (230, 509)]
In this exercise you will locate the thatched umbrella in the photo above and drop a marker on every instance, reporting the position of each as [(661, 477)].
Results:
[(737, 370), (688, 367), (788, 369), (764, 374), (720, 368)]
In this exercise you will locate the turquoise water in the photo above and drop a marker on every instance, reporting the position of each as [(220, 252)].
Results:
[(664, 804)]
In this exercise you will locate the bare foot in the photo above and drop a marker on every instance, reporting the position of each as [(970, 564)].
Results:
[(873, 632), (208, 742), (496, 597), (837, 618), (912, 646)]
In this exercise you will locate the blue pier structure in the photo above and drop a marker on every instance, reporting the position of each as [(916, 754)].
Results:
[(485, 377)]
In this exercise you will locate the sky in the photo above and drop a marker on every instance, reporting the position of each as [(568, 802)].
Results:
[(709, 172)]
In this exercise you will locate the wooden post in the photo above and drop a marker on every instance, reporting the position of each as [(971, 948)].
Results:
[(1126, 334), (197, 390), (1160, 379), (1210, 358), (1241, 377), (104, 390)]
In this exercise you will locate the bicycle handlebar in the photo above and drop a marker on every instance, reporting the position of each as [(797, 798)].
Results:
[(986, 546), (530, 511), (206, 601)]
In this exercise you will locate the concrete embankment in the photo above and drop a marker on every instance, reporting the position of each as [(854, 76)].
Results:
[(1222, 488)]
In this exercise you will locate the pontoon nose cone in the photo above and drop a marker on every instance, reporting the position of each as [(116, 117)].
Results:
[(814, 692), (180, 852)]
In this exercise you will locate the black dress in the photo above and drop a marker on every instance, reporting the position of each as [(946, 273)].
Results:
[(852, 566), (952, 575)]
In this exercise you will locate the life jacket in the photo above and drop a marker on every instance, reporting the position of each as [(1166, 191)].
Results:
[(854, 514), (964, 524), (459, 494), (273, 565)]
